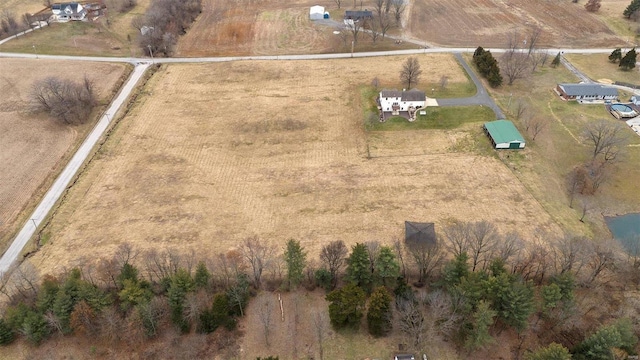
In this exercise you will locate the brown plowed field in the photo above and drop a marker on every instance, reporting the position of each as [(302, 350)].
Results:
[(32, 146), (224, 151), (487, 23), (256, 27)]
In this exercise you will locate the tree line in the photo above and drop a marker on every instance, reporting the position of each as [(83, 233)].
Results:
[(478, 281), (163, 22)]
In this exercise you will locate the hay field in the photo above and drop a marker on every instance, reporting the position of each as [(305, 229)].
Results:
[(223, 151), (20, 7), (488, 22), (32, 146)]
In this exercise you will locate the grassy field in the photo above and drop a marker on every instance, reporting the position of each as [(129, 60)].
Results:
[(599, 68), (20, 7), (34, 147), (224, 151), (543, 168)]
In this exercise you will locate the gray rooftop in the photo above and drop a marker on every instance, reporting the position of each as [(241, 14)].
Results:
[(588, 90), (411, 95)]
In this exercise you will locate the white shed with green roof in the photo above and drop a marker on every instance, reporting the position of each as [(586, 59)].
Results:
[(504, 135)]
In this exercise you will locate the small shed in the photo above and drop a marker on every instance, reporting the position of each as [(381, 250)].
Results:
[(316, 12), (504, 135), (419, 234)]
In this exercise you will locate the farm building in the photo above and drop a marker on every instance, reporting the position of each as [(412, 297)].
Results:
[(316, 12), (419, 234), (68, 11), (587, 92), (402, 103), (504, 135), (356, 15)]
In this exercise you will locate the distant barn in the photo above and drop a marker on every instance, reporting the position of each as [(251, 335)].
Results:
[(504, 135), (356, 15)]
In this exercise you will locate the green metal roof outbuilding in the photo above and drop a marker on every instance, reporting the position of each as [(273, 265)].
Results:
[(504, 135)]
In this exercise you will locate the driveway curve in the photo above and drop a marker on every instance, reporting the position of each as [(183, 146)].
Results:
[(480, 98)]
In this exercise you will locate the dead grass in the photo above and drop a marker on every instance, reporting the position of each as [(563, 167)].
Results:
[(487, 22), (34, 147), (543, 168), (598, 67), (182, 171), (20, 7)]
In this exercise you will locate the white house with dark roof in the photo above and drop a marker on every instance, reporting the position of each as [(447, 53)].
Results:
[(68, 11), (587, 93), (395, 100)]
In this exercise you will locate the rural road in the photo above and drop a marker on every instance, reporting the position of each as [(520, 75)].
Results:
[(65, 177), (141, 65), (480, 98)]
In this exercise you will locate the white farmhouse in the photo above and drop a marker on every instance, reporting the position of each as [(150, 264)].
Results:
[(395, 101), (68, 11)]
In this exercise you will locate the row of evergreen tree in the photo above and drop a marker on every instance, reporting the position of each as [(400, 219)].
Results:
[(487, 65), (626, 62)]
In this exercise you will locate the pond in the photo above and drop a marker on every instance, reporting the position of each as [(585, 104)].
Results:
[(626, 229)]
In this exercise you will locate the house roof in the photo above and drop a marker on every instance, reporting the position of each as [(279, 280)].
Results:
[(588, 89), (416, 233), (358, 14), (73, 7), (411, 95), (503, 131), (317, 9)]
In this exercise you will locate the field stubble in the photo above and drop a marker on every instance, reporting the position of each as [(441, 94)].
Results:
[(33, 146), (196, 168)]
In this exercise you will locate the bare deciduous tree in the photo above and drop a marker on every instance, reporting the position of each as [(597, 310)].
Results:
[(483, 241), (411, 321), (333, 256), (569, 254), (456, 238), (338, 2), (444, 82), (427, 258), (398, 7), (514, 64), (535, 125), (410, 73), (258, 254), (65, 99), (601, 259), (593, 5), (607, 138), (533, 35)]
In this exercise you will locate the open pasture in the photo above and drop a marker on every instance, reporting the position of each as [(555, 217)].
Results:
[(487, 23), (225, 151), (33, 146)]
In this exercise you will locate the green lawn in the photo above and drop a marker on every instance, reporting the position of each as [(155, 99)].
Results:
[(436, 118)]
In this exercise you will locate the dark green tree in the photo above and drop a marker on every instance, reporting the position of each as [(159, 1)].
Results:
[(632, 8), (483, 318), (345, 309), (551, 297), (358, 270), (7, 335), (35, 327), (47, 293), (616, 55), (127, 272), (513, 300), (628, 62), (218, 315), (455, 270), (379, 312), (62, 308), (494, 77), (238, 295), (133, 293), (181, 284), (296, 258), (556, 60), (202, 276), (324, 279), (552, 352), (15, 315), (387, 268)]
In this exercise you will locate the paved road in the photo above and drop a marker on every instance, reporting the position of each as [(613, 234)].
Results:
[(63, 180), (480, 98)]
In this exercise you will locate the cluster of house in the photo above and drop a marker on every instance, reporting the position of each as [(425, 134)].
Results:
[(318, 12)]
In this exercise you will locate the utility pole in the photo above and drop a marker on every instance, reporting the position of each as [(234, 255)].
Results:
[(35, 50), (150, 53), (352, 44)]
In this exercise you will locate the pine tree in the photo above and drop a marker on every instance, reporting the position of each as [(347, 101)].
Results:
[(358, 270), (387, 268), (181, 284), (482, 321), (295, 257), (7, 335), (35, 327), (238, 295), (379, 312), (616, 55), (628, 62), (47, 293), (552, 352), (202, 276), (127, 272), (455, 270), (62, 308), (632, 8), (514, 303), (494, 77), (345, 309), (551, 297), (556, 60)]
